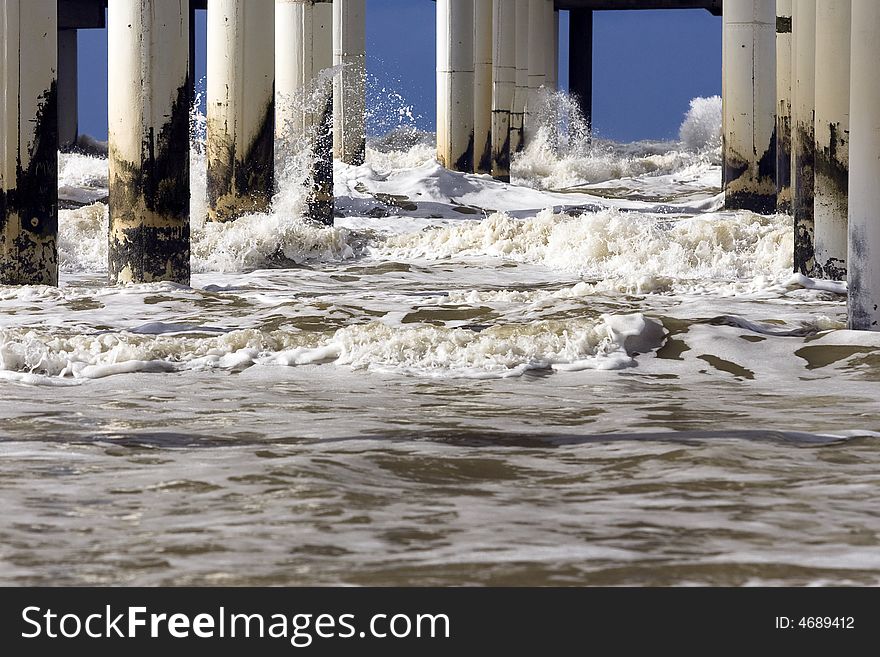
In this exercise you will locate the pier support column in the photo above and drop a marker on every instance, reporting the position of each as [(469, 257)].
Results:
[(482, 86), (304, 97), (503, 84), (803, 147), (833, 19), (537, 51), (455, 84), (349, 83), (241, 110), (551, 24), (521, 91), (580, 61), (148, 113), (783, 106), (863, 262), (749, 95), (28, 142), (68, 114)]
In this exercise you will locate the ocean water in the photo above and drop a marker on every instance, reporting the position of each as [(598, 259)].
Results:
[(593, 375)]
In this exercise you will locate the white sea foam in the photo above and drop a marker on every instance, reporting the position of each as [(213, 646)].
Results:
[(646, 253), (498, 351), (282, 237)]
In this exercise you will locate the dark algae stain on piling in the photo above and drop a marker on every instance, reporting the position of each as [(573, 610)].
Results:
[(29, 210), (240, 186), (149, 204), (805, 158)]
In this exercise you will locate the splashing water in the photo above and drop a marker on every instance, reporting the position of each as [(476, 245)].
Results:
[(387, 110), (562, 153), (701, 129)]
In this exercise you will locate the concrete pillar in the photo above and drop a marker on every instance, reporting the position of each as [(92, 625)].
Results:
[(551, 24), (580, 61), (455, 84), (783, 106), (192, 42), (803, 139), (749, 94), (304, 95), (322, 203), (537, 64), (503, 84), (863, 261), (521, 92), (832, 137), (241, 110), (482, 86), (148, 112), (68, 114), (349, 83), (28, 143)]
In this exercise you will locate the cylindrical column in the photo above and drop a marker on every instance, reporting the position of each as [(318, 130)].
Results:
[(803, 139), (241, 108), (503, 84), (551, 24), (28, 142), (455, 84), (148, 111), (349, 83), (482, 86), (322, 204), (304, 97), (863, 260), (68, 115), (832, 137), (521, 92), (580, 61), (749, 95), (783, 106), (537, 64)]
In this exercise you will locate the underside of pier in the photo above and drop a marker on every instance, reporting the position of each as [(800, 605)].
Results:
[(713, 6)]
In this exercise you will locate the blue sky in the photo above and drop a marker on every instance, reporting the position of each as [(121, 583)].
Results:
[(647, 66)]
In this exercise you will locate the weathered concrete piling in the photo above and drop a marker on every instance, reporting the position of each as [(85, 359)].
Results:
[(482, 86), (148, 113), (455, 84), (749, 96), (68, 118), (503, 84), (303, 98), (241, 111), (783, 106), (521, 90), (580, 60), (551, 25), (349, 83), (28, 143), (537, 59), (833, 18), (803, 148), (863, 262)]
